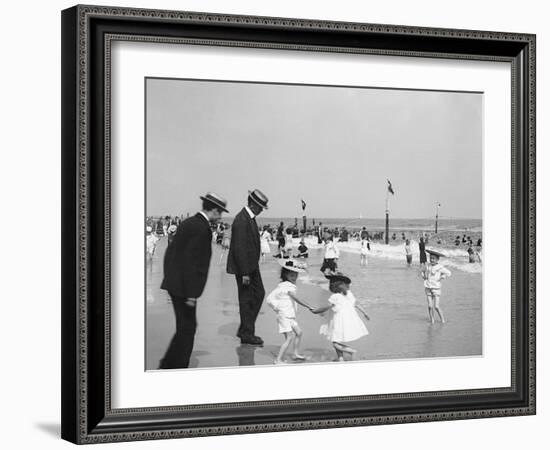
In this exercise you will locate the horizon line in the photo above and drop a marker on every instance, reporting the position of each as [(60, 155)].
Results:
[(332, 218)]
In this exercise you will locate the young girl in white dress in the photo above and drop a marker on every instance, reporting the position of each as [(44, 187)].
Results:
[(265, 235), (344, 324), (283, 301), (151, 241), (364, 252), (226, 242), (288, 243)]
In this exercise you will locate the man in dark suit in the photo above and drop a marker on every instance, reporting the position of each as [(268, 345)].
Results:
[(243, 261), (186, 264)]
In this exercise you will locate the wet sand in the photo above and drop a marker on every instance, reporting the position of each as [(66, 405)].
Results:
[(391, 292)]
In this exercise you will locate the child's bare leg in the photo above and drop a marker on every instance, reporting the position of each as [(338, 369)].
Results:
[(438, 308), (288, 339), (430, 308), (339, 353), (297, 341), (348, 349), (344, 348)]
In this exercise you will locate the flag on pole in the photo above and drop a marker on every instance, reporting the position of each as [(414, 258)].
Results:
[(303, 205), (390, 188)]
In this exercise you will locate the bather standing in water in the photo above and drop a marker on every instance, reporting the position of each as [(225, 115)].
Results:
[(408, 252), (422, 250), (432, 274)]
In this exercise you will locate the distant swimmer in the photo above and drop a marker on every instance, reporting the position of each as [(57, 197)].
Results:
[(408, 252), (364, 252), (422, 250), (303, 251), (344, 236), (471, 254)]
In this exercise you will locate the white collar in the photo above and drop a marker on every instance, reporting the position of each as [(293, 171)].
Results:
[(205, 216), (250, 213)]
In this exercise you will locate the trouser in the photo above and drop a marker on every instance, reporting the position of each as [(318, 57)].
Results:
[(250, 302), (179, 351)]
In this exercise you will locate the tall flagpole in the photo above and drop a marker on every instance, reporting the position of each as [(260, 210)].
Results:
[(387, 237)]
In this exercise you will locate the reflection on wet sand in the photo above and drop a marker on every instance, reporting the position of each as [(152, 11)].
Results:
[(245, 353)]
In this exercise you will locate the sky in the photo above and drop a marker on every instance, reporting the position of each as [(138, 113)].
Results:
[(334, 147)]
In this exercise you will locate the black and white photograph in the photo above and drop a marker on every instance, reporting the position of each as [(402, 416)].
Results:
[(281, 222), (291, 224)]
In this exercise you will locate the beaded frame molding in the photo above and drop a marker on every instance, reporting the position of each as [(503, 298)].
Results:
[(87, 35)]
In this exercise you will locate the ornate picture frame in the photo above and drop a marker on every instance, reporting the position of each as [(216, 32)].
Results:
[(87, 35)]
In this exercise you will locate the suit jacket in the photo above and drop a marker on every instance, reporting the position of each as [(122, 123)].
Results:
[(244, 250), (187, 258)]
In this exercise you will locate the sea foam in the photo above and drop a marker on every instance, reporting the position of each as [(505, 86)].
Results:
[(456, 258)]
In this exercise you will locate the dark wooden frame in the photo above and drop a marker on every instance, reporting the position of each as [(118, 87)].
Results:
[(87, 31)]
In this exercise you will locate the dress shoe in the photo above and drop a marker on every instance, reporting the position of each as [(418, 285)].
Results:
[(252, 340)]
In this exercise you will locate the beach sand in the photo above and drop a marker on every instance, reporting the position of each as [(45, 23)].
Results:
[(391, 292)]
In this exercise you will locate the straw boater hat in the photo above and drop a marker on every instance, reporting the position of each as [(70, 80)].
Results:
[(258, 197), (293, 266), (435, 252), (338, 276), (214, 198)]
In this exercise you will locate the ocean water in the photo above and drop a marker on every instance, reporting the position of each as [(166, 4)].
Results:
[(396, 225), (456, 257)]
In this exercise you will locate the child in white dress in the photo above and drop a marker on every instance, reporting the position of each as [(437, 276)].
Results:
[(283, 300), (289, 245), (432, 274), (264, 243), (151, 242), (344, 324), (364, 252)]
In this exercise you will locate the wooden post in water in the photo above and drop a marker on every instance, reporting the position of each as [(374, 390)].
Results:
[(387, 238), (304, 218), (387, 234), (436, 215)]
